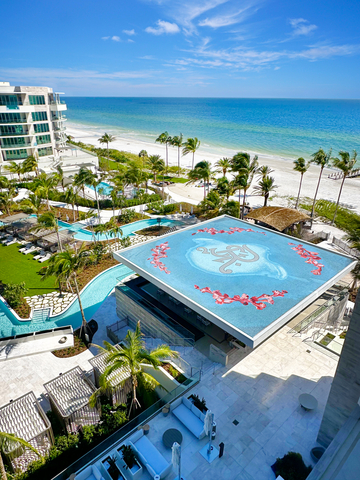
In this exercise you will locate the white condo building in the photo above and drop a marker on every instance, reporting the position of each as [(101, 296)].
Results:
[(32, 123)]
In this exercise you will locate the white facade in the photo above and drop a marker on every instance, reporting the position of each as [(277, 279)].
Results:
[(31, 123)]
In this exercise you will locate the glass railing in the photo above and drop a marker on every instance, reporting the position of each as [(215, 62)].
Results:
[(120, 435), (17, 156), (13, 134), (14, 120)]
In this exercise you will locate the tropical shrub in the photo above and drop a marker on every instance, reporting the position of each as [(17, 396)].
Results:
[(346, 220), (291, 466), (14, 293)]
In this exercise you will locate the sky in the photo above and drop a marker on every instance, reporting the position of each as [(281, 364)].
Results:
[(184, 48)]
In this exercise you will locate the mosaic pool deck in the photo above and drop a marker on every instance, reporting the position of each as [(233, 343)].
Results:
[(248, 280)]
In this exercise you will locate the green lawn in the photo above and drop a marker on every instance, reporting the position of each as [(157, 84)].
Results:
[(16, 267)]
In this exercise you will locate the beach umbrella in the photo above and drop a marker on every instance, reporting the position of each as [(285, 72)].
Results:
[(176, 457), (208, 426), (180, 207)]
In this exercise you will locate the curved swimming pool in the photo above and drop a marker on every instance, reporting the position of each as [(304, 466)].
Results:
[(92, 298), (128, 230)]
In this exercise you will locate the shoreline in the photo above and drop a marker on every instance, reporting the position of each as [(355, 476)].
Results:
[(286, 178)]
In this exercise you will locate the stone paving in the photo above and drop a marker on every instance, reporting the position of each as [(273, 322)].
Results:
[(58, 302)]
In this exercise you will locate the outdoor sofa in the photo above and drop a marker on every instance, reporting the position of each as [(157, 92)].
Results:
[(90, 473), (149, 455), (190, 416)]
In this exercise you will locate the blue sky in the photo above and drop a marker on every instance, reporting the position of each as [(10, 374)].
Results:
[(207, 48)]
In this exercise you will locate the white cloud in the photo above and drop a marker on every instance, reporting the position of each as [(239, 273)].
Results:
[(35, 74), (227, 19), (115, 38), (301, 27), (147, 57), (105, 38), (130, 40), (129, 32), (163, 27)]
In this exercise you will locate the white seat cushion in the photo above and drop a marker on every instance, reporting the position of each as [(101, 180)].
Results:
[(191, 421)]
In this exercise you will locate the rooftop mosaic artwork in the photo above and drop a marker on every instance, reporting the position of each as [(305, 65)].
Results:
[(246, 279)]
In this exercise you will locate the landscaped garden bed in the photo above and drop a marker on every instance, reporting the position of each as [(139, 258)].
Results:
[(79, 347), (153, 231), (179, 376), (91, 271), (329, 337)]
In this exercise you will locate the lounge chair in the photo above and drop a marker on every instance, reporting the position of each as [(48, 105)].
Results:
[(31, 249), (14, 240), (43, 259), (27, 246), (42, 253), (7, 239)]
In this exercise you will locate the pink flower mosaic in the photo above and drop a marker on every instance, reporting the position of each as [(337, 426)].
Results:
[(312, 257), (159, 252), (258, 302), (214, 231)]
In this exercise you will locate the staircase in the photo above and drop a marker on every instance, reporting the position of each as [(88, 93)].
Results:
[(41, 315)]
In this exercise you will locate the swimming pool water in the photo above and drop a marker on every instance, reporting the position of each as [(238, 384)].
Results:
[(92, 298), (128, 230), (107, 189)]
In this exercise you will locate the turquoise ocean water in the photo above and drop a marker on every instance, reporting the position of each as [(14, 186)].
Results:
[(284, 127)]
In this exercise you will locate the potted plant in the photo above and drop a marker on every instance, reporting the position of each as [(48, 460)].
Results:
[(131, 463), (200, 404), (291, 466)]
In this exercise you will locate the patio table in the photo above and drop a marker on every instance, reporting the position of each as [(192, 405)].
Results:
[(171, 436), (307, 401)]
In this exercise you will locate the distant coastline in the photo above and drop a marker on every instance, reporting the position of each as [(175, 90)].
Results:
[(272, 128)]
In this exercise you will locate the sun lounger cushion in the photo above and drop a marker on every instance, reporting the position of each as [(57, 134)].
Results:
[(189, 416)]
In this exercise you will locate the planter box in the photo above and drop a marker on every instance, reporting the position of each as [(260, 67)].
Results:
[(133, 473)]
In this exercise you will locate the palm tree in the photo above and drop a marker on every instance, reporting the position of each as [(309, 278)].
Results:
[(115, 231), (48, 221), (212, 204), (4, 182), (177, 141), (156, 165), (321, 159), (6, 200), (301, 166), (354, 239), (66, 265), (82, 178), (190, 146), (143, 154), (264, 170), (242, 164), (43, 186), (31, 164), (15, 168), (32, 204), (203, 172), (224, 187), (9, 439), (223, 165), (129, 357), (266, 185), (70, 198), (165, 139), (107, 138), (59, 177), (346, 164)]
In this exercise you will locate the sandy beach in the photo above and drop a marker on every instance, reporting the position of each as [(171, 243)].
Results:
[(286, 178)]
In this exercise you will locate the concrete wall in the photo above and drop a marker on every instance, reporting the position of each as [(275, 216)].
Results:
[(345, 389)]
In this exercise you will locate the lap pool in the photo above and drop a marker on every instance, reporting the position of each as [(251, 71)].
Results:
[(92, 297)]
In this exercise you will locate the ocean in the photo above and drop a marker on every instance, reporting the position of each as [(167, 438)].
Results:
[(281, 127)]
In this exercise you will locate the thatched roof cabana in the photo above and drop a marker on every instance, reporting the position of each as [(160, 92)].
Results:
[(278, 218), (120, 381), (25, 418), (69, 396)]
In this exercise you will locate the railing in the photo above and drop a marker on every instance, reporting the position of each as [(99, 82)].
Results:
[(344, 246), (305, 324), (120, 436), (24, 337)]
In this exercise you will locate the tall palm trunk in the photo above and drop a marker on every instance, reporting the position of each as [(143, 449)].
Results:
[(2, 469), (338, 200), (193, 160), (204, 189), (107, 153), (266, 196), (243, 209), (297, 200), (84, 322), (58, 237), (316, 192), (179, 167), (97, 201), (239, 203), (73, 207), (167, 158), (134, 401)]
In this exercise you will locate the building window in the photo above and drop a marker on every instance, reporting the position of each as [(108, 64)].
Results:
[(45, 151), (16, 154), (16, 142), (43, 139), (39, 116), (12, 118), (41, 127), (12, 130), (10, 100), (37, 99)]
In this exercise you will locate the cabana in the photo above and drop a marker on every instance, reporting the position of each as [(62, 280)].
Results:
[(48, 240), (278, 218), (25, 418), (22, 227), (120, 381), (69, 396), (14, 218)]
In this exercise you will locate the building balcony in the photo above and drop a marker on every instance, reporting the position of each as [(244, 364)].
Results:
[(61, 118)]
